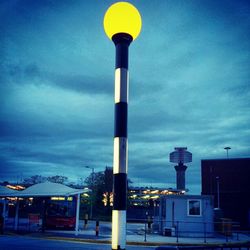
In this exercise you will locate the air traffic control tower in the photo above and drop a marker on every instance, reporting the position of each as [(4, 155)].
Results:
[(180, 156)]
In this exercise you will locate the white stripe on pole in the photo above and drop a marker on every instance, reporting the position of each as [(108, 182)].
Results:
[(121, 85), (118, 229), (120, 162)]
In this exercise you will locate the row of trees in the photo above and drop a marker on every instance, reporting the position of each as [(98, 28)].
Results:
[(35, 179)]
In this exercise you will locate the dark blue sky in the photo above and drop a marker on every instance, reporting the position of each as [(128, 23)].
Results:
[(189, 86)]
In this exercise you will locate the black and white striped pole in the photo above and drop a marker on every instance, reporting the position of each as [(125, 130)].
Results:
[(122, 24)]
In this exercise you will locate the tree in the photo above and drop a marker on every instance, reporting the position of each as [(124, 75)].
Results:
[(58, 179), (101, 184), (95, 179), (34, 179), (96, 182)]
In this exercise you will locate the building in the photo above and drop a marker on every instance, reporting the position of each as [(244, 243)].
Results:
[(144, 201), (228, 180), (186, 215)]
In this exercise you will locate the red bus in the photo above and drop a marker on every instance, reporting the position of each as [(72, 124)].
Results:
[(61, 213)]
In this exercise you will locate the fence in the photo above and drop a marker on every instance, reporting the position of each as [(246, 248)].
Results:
[(149, 230), (232, 247), (32, 223), (225, 230)]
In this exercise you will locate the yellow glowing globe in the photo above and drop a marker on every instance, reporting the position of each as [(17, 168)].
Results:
[(122, 17)]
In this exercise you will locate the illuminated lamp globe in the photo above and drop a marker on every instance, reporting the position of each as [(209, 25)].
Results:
[(122, 17)]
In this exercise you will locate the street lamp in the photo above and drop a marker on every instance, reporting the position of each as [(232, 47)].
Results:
[(227, 148), (122, 24), (218, 191), (92, 187)]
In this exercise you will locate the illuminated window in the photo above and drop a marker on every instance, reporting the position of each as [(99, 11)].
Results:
[(194, 207), (70, 199), (57, 198)]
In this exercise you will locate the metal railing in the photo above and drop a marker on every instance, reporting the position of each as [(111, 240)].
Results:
[(225, 231), (219, 234)]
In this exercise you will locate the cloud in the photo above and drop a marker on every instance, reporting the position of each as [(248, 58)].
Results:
[(189, 86), (32, 74)]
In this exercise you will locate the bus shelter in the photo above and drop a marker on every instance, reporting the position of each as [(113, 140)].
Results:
[(43, 190), (5, 192)]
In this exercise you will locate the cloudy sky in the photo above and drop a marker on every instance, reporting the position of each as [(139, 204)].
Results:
[(189, 86)]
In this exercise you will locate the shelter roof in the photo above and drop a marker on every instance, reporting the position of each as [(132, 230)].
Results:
[(4, 191), (45, 189)]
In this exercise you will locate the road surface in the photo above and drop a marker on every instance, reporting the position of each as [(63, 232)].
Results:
[(28, 243)]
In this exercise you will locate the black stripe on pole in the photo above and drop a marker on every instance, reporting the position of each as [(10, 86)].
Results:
[(121, 117), (122, 42), (120, 196)]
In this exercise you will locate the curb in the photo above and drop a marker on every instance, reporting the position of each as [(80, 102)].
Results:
[(136, 243), (133, 243)]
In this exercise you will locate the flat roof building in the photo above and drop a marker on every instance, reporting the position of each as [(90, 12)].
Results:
[(228, 180)]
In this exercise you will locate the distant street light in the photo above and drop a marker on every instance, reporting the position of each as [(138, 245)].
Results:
[(227, 148), (122, 24), (218, 191), (92, 187)]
